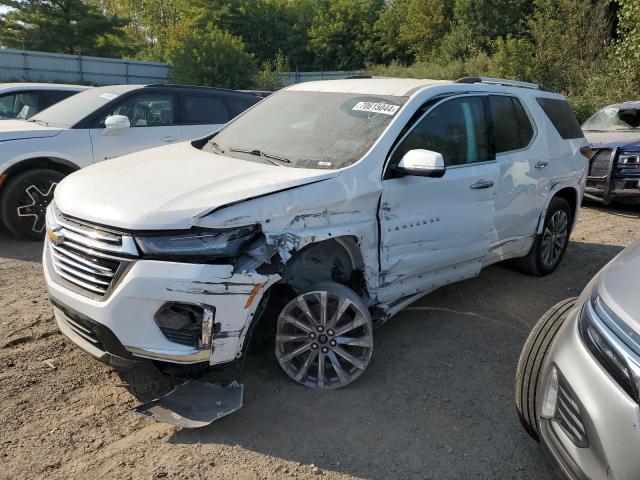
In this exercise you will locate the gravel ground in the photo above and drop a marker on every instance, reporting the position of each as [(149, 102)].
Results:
[(436, 401)]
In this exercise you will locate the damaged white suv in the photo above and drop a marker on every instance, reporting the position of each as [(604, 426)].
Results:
[(321, 211)]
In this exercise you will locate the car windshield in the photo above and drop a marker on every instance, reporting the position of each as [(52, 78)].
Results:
[(70, 111), (616, 119), (304, 129)]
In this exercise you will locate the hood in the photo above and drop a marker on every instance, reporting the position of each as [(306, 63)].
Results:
[(629, 140), (22, 129), (170, 187), (618, 285)]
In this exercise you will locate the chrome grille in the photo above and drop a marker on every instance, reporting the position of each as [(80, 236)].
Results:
[(599, 166), (88, 259)]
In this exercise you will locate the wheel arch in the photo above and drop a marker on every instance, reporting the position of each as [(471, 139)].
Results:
[(571, 195), (55, 163), (344, 247)]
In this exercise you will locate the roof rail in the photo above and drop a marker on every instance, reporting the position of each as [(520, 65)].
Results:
[(358, 77), (501, 81)]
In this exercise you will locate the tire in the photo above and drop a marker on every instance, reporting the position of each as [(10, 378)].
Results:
[(24, 199), (536, 262), (324, 351), (531, 361)]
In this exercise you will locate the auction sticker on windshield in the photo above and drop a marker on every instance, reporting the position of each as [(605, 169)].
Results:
[(384, 108)]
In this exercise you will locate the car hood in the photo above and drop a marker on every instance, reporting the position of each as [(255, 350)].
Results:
[(618, 285), (21, 130), (171, 187), (629, 140)]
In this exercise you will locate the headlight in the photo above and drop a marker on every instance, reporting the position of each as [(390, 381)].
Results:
[(613, 343), (629, 158), (205, 243)]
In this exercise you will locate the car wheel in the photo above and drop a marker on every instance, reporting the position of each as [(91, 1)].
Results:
[(324, 337), (531, 360), (24, 201), (549, 247)]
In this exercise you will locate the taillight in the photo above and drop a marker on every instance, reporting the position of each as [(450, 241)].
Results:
[(587, 152)]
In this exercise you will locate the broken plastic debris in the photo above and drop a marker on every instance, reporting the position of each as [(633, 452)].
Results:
[(194, 404)]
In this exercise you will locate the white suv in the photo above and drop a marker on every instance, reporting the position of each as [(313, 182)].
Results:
[(99, 124), (319, 212)]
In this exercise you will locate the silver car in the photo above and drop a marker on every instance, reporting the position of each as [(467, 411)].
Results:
[(578, 377)]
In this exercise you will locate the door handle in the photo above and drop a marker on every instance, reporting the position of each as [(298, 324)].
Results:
[(480, 184), (541, 164), (170, 139)]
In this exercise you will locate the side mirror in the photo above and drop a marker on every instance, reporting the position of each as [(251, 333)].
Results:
[(115, 123), (422, 163)]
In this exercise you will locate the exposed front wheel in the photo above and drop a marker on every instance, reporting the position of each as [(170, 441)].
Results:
[(324, 337), (549, 247), (24, 201)]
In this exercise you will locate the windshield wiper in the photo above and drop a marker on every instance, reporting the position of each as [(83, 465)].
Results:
[(259, 153), (39, 122)]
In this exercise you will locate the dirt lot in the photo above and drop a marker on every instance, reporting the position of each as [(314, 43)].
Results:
[(436, 401)]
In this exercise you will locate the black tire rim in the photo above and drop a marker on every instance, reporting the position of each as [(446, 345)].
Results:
[(33, 202)]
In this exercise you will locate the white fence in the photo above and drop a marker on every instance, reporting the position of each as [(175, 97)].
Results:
[(24, 65), (289, 78), (30, 66)]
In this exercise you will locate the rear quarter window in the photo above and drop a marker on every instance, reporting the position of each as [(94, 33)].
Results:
[(562, 117)]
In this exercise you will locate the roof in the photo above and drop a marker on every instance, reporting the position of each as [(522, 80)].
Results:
[(40, 86), (399, 87)]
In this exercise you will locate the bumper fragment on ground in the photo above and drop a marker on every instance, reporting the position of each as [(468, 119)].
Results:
[(194, 404)]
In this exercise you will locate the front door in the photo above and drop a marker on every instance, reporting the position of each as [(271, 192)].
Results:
[(436, 231), (151, 116)]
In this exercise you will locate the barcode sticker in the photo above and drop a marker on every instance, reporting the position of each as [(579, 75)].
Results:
[(384, 108)]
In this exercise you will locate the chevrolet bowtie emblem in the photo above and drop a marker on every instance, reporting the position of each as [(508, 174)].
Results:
[(54, 237)]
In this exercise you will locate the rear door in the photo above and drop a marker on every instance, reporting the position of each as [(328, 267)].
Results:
[(435, 231), (516, 206), (203, 114), (152, 116)]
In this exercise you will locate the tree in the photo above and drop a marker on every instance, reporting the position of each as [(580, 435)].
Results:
[(570, 37), (156, 25), (64, 26), (409, 30), (477, 23), (627, 50), (341, 31), (209, 56)]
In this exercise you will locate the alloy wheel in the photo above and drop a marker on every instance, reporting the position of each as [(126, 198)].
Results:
[(555, 236), (33, 203), (324, 339)]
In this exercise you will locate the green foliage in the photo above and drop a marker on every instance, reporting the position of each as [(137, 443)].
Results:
[(477, 23), (210, 56), (341, 30), (156, 26), (514, 58), (627, 51), (270, 77), (409, 30), (64, 26)]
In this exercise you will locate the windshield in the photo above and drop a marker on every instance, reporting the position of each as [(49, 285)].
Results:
[(612, 119), (67, 113), (308, 129)]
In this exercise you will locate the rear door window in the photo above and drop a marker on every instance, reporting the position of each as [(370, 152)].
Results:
[(512, 127), (238, 104), (201, 110), (562, 117), (56, 96)]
